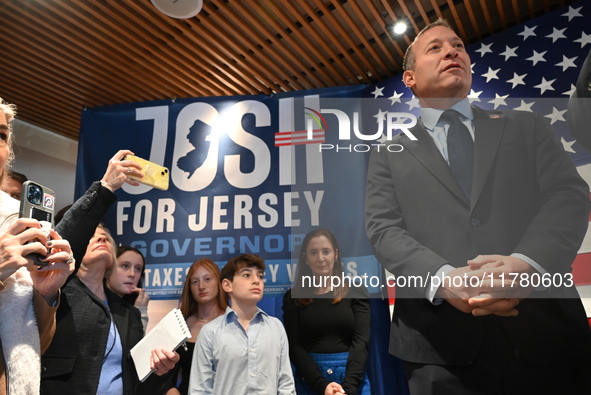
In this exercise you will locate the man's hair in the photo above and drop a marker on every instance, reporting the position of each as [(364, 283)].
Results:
[(409, 57), (9, 111), (20, 177), (235, 264)]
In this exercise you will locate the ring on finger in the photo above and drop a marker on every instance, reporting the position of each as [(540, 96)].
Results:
[(69, 260), (128, 170)]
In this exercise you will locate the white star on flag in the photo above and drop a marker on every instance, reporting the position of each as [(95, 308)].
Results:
[(509, 52), (395, 98), (527, 32), (484, 48), (517, 80), (568, 145), (474, 96), (572, 12), (537, 57), (556, 115), (556, 34), (377, 92), (570, 92), (525, 106), (413, 103), (584, 40), (499, 100), (380, 116), (567, 62), (491, 74), (545, 85)]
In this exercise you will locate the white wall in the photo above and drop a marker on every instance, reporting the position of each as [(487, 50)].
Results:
[(46, 158)]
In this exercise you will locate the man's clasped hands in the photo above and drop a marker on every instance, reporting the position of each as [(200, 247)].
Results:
[(488, 285)]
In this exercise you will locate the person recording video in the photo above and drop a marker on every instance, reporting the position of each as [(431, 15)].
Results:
[(95, 327), (28, 294)]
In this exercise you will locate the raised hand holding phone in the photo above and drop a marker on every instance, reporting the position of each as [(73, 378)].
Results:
[(125, 167), (120, 171), (59, 265), (154, 174), (38, 202)]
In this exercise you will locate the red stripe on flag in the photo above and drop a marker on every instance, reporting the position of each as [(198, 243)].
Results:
[(299, 133), (582, 269), (299, 137)]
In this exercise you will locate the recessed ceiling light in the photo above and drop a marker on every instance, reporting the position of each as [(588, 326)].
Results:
[(180, 9), (400, 27)]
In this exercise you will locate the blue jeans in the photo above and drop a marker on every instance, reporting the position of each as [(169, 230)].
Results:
[(333, 368)]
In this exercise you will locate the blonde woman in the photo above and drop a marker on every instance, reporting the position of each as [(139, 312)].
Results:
[(28, 294)]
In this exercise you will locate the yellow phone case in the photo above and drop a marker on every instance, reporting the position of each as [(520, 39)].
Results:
[(154, 175)]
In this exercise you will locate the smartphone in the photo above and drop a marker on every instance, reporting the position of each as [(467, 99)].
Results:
[(155, 175), (38, 202)]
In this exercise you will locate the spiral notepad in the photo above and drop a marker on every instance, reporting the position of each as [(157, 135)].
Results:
[(169, 333)]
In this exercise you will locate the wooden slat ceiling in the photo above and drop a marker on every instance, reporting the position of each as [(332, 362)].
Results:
[(59, 56)]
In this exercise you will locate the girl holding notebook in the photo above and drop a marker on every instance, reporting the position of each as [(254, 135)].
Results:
[(203, 299)]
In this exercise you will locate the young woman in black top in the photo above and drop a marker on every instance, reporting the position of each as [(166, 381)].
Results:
[(328, 327)]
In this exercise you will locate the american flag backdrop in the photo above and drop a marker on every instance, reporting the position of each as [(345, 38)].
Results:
[(530, 67)]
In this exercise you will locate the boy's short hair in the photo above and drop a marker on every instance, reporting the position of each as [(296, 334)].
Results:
[(239, 262)]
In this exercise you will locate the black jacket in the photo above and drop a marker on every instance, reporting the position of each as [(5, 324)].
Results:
[(72, 363), (527, 198)]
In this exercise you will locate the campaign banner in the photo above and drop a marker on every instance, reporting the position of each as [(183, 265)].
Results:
[(253, 174), (248, 174)]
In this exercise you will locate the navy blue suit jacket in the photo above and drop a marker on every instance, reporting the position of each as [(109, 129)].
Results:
[(527, 198)]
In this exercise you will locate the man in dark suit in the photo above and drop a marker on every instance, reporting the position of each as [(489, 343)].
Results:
[(514, 209), (579, 107)]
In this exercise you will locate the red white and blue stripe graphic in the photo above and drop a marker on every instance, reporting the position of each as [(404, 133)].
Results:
[(308, 136)]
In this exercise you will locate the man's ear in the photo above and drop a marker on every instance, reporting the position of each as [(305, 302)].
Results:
[(227, 285), (409, 78)]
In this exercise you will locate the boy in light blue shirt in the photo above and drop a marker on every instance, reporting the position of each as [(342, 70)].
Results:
[(244, 351)]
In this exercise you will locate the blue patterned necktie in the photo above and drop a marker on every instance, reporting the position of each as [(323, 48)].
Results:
[(460, 150)]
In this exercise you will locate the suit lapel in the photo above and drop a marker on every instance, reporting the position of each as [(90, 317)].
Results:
[(119, 313), (488, 132), (93, 297), (426, 152)]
